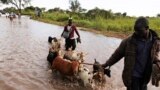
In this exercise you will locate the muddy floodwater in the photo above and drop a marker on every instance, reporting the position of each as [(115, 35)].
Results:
[(24, 49)]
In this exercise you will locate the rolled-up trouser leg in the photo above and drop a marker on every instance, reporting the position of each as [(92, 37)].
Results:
[(73, 44), (67, 43)]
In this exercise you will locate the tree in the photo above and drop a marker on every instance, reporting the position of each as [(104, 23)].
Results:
[(93, 13), (75, 5), (56, 9), (30, 8), (124, 14), (118, 14), (158, 15), (3, 1), (82, 10), (10, 9), (17, 3), (43, 9)]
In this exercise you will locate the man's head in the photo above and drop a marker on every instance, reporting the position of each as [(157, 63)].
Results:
[(141, 27), (70, 21)]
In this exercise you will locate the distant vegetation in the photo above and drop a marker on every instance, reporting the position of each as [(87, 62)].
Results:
[(97, 19), (17, 3)]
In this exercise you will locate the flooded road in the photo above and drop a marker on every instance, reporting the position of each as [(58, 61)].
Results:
[(24, 49)]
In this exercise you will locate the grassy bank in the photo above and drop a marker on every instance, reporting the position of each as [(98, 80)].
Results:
[(117, 27)]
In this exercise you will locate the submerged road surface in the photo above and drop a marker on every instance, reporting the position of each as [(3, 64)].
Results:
[(23, 52)]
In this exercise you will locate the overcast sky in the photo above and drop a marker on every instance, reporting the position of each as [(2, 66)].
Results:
[(132, 7)]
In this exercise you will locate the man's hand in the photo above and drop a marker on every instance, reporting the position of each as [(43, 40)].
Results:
[(104, 65), (107, 72), (78, 40)]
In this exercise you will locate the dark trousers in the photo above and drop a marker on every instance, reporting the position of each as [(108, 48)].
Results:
[(137, 84), (70, 43)]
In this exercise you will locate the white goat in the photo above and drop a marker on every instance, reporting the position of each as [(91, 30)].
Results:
[(72, 55), (85, 76)]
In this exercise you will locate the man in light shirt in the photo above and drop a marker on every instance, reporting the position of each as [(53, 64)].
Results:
[(70, 40)]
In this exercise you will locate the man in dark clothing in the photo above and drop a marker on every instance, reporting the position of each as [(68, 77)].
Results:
[(69, 34), (136, 50)]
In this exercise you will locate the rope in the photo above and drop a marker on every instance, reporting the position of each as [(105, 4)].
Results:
[(158, 65), (90, 64)]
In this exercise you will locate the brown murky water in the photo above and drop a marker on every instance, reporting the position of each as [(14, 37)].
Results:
[(24, 48)]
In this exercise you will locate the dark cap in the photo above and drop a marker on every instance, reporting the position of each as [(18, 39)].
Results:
[(141, 22)]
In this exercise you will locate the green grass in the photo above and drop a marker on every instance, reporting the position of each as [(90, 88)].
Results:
[(118, 24)]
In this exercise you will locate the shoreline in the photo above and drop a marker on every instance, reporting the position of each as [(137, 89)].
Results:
[(120, 35), (106, 33)]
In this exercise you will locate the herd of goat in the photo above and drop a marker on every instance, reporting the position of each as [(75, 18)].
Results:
[(71, 64)]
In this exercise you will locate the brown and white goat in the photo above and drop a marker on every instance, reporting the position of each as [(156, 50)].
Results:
[(85, 75), (98, 74), (55, 44), (65, 67)]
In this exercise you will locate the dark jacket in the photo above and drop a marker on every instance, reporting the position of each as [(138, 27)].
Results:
[(127, 49)]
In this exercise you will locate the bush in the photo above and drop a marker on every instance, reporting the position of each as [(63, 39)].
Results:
[(116, 24)]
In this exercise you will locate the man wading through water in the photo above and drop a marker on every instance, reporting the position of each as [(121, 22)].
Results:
[(138, 51), (69, 35)]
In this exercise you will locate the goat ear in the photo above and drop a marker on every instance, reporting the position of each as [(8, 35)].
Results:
[(78, 54), (69, 49), (95, 60), (90, 73), (84, 54), (79, 70), (86, 69), (79, 61), (54, 39)]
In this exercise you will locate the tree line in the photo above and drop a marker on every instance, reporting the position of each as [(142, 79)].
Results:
[(74, 8)]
